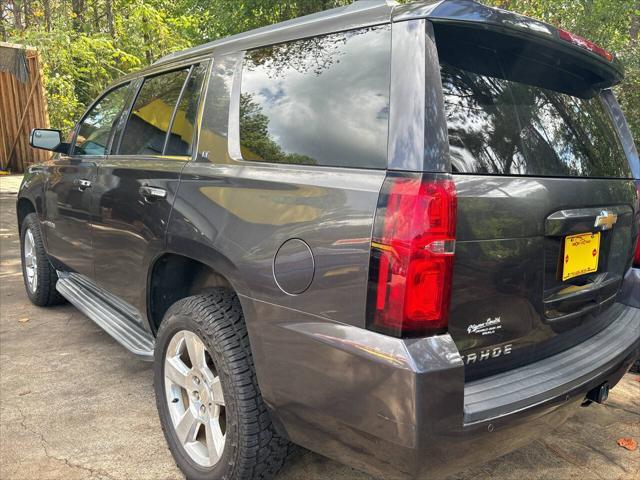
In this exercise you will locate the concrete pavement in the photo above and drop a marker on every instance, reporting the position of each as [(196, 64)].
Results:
[(76, 405)]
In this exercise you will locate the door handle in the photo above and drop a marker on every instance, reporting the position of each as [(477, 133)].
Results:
[(151, 193), (82, 183)]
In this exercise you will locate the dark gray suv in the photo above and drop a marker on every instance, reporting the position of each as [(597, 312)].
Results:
[(395, 235)]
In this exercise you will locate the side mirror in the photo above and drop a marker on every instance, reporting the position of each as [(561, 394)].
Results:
[(48, 139)]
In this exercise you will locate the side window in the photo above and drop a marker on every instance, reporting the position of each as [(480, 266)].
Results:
[(147, 126), (181, 136), (95, 129), (318, 101)]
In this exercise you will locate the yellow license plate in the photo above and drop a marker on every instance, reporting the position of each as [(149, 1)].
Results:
[(581, 253)]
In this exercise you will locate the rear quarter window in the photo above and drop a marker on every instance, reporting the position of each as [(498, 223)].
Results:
[(318, 101), (501, 126)]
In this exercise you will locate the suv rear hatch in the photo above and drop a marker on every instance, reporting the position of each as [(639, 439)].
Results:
[(546, 199)]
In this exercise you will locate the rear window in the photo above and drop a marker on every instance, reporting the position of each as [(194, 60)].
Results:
[(502, 126), (318, 101)]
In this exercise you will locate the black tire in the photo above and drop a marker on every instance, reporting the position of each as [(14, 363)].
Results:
[(253, 449), (45, 293)]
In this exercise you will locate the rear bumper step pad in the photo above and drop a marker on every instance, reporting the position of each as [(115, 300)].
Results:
[(548, 378)]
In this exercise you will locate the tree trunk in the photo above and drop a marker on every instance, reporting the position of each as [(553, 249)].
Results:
[(147, 40), (47, 14), (17, 14), (96, 16), (635, 25), (77, 7), (3, 18), (109, 8), (27, 13)]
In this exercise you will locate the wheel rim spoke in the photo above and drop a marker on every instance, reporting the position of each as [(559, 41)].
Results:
[(215, 439), (195, 347), (187, 428), (216, 390), (195, 398), (176, 371)]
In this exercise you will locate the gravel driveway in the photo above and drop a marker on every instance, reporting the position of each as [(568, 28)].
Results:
[(76, 405)]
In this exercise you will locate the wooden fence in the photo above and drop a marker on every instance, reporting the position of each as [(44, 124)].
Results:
[(23, 106)]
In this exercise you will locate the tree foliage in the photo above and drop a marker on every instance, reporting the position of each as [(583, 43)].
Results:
[(86, 44)]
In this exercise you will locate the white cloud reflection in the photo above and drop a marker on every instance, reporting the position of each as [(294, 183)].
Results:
[(327, 98)]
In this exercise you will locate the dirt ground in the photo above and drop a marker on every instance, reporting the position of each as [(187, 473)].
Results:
[(75, 405)]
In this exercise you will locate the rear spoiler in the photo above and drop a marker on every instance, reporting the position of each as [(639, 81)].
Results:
[(604, 68)]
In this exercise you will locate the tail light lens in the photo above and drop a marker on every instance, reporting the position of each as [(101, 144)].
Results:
[(412, 252), (584, 43)]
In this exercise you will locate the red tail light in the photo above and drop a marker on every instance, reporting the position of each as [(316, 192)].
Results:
[(584, 43), (412, 256)]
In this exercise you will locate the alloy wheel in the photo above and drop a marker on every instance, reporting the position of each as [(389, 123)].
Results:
[(195, 398), (30, 261)]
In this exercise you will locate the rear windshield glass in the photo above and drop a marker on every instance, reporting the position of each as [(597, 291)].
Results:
[(501, 126)]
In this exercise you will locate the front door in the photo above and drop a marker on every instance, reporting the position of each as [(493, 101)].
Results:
[(68, 193), (135, 186)]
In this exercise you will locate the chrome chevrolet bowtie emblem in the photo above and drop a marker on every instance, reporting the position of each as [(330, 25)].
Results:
[(605, 220)]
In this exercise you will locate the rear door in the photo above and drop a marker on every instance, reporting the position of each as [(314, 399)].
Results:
[(546, 200), (136, 184), (70, 183)]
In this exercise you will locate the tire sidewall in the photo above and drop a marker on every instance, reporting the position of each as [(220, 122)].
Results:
[(174, 322)]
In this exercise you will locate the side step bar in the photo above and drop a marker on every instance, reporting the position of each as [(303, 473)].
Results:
[(114, 322)]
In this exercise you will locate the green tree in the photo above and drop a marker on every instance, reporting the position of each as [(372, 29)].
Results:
[(86, 44)]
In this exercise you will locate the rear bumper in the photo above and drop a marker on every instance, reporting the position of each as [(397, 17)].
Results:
[(573, 370), (401, 408)]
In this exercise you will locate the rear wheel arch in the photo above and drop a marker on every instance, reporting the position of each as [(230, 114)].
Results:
[(173, 277)]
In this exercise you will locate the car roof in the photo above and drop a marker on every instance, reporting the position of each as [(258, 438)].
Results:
[(363, 13), (359, 14)]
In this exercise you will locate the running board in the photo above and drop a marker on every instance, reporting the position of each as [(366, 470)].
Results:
[(111, 320)]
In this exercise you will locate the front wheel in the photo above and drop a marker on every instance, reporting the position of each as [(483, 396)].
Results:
[(210, 407), (40, 277)]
